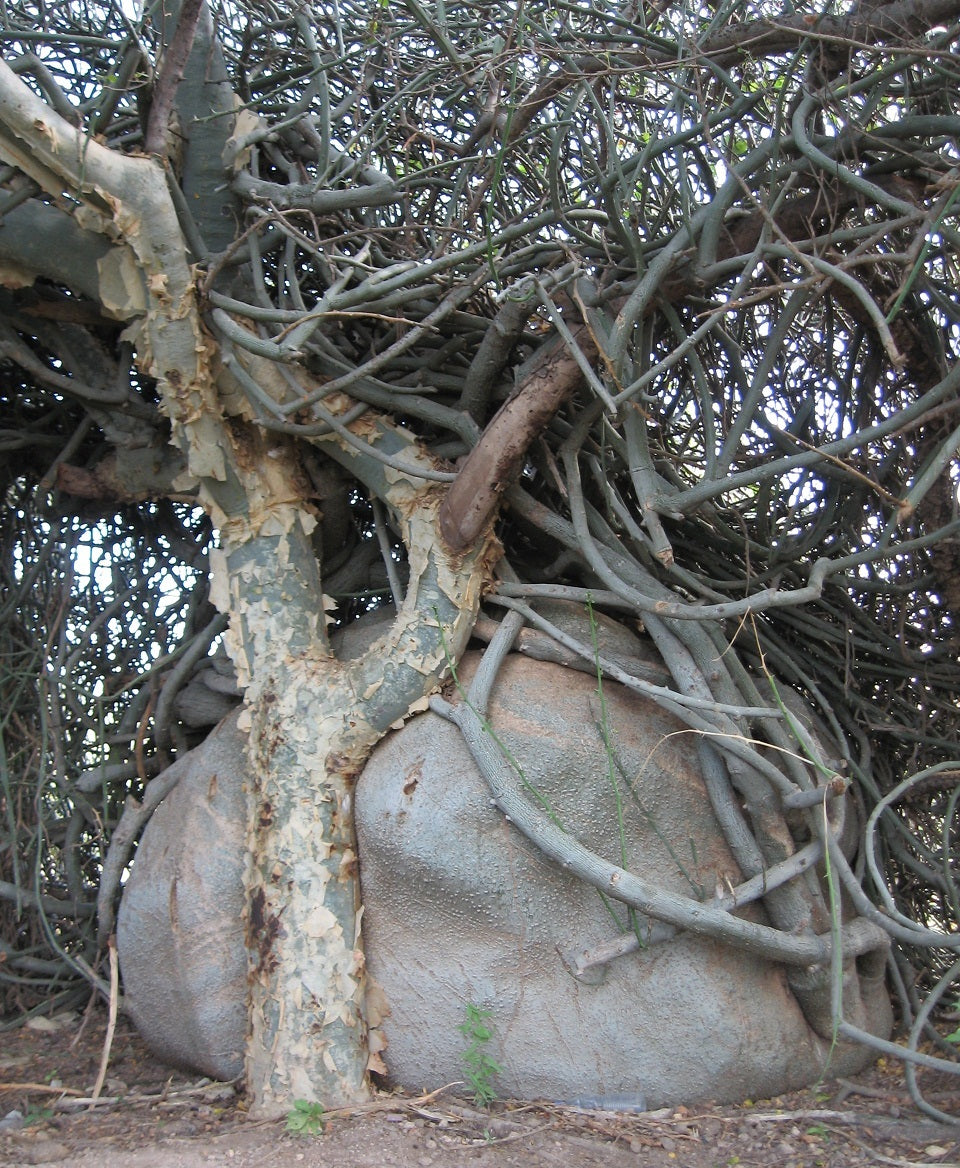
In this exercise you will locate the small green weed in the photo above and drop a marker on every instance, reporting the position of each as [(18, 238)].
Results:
[(306, 1119), (479, 1067), (37, 1115)]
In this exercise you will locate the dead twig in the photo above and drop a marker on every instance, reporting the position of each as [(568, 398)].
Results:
[(879, 1158), (111, 1016)]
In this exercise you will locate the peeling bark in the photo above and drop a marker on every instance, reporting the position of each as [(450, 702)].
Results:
[(313, 722)]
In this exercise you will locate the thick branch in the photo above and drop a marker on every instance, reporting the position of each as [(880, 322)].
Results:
[(128, 196), (147, 474), (40, 240), (497, 458), (174, 63), (206, 108), (502, 335)]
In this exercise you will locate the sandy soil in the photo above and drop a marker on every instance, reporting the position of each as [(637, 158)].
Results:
[(149, 1116)]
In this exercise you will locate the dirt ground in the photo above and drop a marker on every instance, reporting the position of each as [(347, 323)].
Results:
[(148, 1116)]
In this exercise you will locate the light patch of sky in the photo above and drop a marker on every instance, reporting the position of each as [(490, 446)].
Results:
[(107, 619), (104, 568)]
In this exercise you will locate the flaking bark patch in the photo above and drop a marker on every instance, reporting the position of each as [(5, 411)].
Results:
[(261, 932)]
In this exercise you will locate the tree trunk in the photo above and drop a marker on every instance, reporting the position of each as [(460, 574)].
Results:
[(313, 719)]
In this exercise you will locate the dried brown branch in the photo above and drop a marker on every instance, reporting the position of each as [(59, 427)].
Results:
[(497, 458), (171, 72)]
